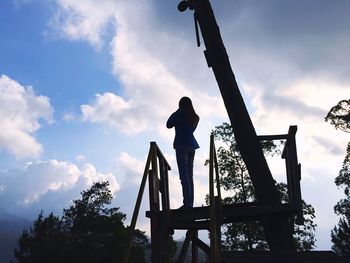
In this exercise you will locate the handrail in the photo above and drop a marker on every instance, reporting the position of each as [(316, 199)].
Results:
[(215, 202), (156, 161), (293, 168), (159, 153)]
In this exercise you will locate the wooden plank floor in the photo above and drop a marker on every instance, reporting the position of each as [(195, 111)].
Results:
[(198, 217)]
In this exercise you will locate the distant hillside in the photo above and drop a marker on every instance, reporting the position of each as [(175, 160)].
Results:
[(11, 228)]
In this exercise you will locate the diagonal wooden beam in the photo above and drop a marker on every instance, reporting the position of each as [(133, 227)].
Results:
[(277, 230)]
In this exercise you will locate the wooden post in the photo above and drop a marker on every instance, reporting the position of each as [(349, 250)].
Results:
[(194, 247), (293, 173), (154, 209), (214, 212), (164, 189), (184, 248), (160, 222)]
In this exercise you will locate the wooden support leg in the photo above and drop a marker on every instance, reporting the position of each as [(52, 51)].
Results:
[(160, 223), (199, 243), (281, 250), (194, 247), (184, 248), (161, 239)]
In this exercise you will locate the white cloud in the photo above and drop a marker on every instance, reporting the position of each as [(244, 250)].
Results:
[(39, 183), (20, 113), (153, 66), (151, 79), (131, 167), (80, 158), (114, 111), (83, 20), (68, 116), (90, 176)]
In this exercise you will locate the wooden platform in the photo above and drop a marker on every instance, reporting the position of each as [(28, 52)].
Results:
[(198, 217), (165, 220)]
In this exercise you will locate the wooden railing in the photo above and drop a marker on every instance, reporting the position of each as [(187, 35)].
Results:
[(293, 169), (156, 165)]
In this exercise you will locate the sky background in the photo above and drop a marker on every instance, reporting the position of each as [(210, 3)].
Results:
[(86, 85)]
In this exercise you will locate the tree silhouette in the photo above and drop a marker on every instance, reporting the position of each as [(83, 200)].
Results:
[(341, 233), (235, 179), (88, 231), (339, 116), (44, 242)]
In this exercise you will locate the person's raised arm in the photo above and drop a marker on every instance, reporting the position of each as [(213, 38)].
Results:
[(171, 121)]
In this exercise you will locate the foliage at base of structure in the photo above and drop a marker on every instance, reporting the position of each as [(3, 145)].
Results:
[(88, 231), (235, 180)]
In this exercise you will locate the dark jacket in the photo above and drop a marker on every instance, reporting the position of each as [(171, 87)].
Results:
[(183, 129)]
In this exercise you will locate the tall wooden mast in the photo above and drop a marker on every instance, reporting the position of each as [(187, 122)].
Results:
[(277, 228)]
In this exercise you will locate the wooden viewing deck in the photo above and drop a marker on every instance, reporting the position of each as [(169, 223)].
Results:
[(164, 220), (198, 217)]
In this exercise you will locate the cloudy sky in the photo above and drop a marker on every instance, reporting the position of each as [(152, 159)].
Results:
[(85, 86)]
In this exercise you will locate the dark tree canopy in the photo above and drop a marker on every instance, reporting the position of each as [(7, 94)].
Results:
[(341, 236), (88, 231), (339, 115), (235, 180), (341, 233), (44, 241)]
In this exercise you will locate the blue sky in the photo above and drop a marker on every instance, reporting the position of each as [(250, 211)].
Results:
[(85, 85)]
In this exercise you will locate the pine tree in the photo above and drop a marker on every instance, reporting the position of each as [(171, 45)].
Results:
[(45, 241), (88, 231)]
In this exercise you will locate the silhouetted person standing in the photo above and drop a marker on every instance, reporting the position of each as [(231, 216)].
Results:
[(185, 121)]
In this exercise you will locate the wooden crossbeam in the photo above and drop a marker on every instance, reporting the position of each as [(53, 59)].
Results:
[(199, 217)]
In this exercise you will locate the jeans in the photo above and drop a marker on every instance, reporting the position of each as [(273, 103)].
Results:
[(185, 158)]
